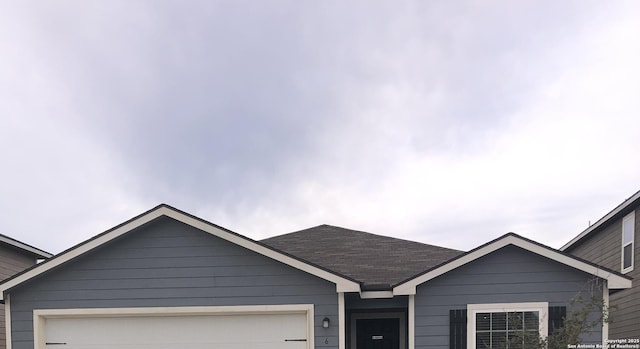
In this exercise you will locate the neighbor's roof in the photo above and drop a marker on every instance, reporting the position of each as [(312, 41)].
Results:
[(25, 248), (376, 261), (619, 211)]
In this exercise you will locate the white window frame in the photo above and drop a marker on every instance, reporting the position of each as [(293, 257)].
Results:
[(628, 219), (472, 309)]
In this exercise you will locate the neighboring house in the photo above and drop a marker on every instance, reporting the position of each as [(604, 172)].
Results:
[(167, 279), (15, 256), (611, 242)]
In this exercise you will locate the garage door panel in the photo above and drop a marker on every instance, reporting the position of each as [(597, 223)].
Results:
[(262, 331)]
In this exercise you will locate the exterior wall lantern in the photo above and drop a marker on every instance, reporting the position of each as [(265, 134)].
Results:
[(325, 322)]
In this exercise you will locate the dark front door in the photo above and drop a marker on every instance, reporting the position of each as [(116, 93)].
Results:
[(378, 333)]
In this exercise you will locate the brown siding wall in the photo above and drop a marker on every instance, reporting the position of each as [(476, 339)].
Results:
[(12, 261), (604, 248)]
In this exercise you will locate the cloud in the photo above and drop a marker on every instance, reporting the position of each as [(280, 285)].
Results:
[(450, 123), (542, 169)]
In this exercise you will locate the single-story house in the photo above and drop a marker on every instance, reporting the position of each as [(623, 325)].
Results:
[(168, 279)]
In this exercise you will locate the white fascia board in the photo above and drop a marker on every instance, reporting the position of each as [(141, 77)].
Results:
[(614, 281), (376, 294), (409, 287), (602, 220), (342, 284), (79, 250), (21, 245)]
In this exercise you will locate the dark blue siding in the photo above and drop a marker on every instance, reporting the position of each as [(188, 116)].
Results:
[(168, 263)]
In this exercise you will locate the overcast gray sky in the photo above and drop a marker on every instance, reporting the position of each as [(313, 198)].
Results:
[(445, 122)]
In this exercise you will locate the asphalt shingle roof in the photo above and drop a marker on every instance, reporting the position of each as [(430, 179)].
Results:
[(376, 261)]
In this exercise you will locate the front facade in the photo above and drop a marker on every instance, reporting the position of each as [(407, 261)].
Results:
[(611, 242), (166, 279)]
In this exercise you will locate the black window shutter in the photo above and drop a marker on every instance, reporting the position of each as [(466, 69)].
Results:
[(556, 318), (458, 329)]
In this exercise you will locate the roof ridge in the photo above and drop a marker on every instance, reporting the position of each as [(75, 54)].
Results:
[(372, 259), (359, 231)]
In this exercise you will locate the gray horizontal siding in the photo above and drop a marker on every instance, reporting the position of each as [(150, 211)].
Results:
[(509, 275), (167, 263), (604, 247), (12, 261)]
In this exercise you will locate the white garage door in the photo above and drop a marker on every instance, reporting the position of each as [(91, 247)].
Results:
[(229, 331)]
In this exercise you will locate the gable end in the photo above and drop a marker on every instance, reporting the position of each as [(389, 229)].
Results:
[(615, 280), (343, 284)]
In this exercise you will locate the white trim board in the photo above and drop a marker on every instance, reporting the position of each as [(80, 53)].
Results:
[(342, 284), (174, 311), (624, 205), (376, 294), (541, 307), (7, 321), (40, 316), (28, 248), (615, 281), (631, 217), (342, 325), (411, 326)]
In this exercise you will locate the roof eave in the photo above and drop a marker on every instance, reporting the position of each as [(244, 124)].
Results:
[(342, 283), (36, 252), (613, 213), (615, 280)]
